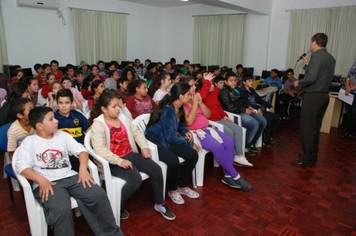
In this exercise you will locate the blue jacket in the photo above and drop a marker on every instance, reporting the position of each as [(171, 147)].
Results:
[(253, 98), (277, 83), (165, 130)]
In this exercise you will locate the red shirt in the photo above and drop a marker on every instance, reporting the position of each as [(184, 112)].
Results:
[(85, 93), (140, 106), (211, 100), (119, 144), (58, 75), (41, 80), (45, 90)]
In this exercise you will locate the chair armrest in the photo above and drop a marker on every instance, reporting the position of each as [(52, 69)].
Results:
[(232, 116), (154, 151), (93, 169), (216, 125)]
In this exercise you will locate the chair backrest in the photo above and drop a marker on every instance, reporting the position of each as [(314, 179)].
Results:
[(86, 108), (142, 121), (3, 137)]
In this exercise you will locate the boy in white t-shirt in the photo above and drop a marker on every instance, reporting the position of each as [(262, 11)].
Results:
[(44, 160)]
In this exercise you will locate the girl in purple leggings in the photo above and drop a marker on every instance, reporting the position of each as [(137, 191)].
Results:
[(221, 145)]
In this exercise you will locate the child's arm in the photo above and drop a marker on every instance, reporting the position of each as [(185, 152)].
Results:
[(84, 175), (206, 85), (206, 111), (78, 103), (51, 100), (191, 115)]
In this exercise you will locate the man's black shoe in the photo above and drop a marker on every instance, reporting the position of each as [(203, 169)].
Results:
[(301, 164), (351, 136), (272, 141), (345, 135), (267, 144)]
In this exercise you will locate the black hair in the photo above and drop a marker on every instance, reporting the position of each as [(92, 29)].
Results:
[(290, 70), (28, 79), (199, 84), (102, 101), (55, 62), (45, 65), (100, 61), (37, 66), (186, 78), (69, 66), (64, 93), (213, 68), (321, 39), (87, 81), (111, 72), (275, 71), (176, 90), (16, 67), (175, 74), (19, 105), (135, 84), (17, 72), (150, 66), (65, 78), (246, 77), (157, 81), (186, 61), (238, 66), (95, 84), (16, 91), (121, 81), (173, 60), (137, 60), (219, 78), (48, 75), (124, 73), (114, 63), (148, 60), (78, 72), (93, 66), (229, 74), (37, 115)]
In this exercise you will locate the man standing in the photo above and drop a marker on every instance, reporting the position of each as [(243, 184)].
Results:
[(319, 71)]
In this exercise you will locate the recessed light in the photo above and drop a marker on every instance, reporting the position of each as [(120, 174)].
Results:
[(184, 0)]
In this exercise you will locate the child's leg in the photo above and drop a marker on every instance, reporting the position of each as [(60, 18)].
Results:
[(235, 132), (95, 206), (223, 153), (148, 166), (190, 156), (252, 128), (262, 123), (58, 210), (132, 178), (172, 162)]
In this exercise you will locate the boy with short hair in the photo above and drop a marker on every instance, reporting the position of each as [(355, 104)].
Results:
[(255, 100), (78, 79), (137, 67), (44, 160), (273, 81), (70, 121), (20, 128), (184, 69), (239, 71), (70, 72), (38, 68), (122, 84), (57, 73), (111, 82), (42, 77)]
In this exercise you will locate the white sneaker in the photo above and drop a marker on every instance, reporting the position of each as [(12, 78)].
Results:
[(242, 161)]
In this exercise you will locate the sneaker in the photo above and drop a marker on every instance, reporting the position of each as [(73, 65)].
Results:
[(253, 148), (164, 210), (243, 184), (176, 198), (188, 192), (249, 152), (267, 144), (77, 212), (242, 161), (124, 214), (230, 182)]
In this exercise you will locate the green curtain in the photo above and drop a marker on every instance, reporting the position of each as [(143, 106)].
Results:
[(338, 24), (219, 40), (99, 35), (3, 48)]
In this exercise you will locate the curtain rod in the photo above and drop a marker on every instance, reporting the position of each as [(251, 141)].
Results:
[(221, 14), (121, 13), (308, 9)]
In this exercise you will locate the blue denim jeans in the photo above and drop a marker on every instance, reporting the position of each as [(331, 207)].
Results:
[(254, 125)]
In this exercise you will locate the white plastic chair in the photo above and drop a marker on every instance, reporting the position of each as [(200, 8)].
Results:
[(35, 213), (41, 100), (141, 123), (114, 184), (86, 108)]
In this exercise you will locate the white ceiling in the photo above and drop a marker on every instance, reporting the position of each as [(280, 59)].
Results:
[(162, 3)]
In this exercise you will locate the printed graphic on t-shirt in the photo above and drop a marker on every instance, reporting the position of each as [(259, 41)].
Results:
[(143, 107), (74, 132), (53, 159), (120, 145)]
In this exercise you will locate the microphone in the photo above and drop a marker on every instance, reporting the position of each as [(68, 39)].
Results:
[(303, 55)]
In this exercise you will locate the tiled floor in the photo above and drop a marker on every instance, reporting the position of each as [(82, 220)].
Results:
[(284, 199)]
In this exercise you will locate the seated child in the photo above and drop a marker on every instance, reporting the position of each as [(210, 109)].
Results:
[(97, 88), (84, 68), (32, 84), (21, 128), (255, 100), (55, 182), (221, 145), (145, 67), (18, 74), (67, 84), (175, 77), (42, 78), (163, 129), (122, 84), (111, 82), (70, 121), (70, 73), (53, 89), (45, 88), (78, 80), (115, 138), (137, 67), (94, 70), (273, 81), (161, 81), (102, 70), (38, 68), (290, 92), (232, 100), (234, 131), (151, 69), (57, 73), (112, 66), (86, 89), (139, 102)]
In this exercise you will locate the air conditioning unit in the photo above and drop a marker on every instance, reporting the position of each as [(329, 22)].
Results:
[(45, 4)]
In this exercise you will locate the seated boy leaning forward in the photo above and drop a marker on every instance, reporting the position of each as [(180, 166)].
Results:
[(44, 160)]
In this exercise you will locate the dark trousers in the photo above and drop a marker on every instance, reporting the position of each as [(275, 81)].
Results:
[(170, 157), (283, 104), (133, 178), (273, 120), (351, 116), (93, 203), (313, 110)]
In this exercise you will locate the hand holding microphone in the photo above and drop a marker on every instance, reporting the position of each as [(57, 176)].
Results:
[(304, 57)]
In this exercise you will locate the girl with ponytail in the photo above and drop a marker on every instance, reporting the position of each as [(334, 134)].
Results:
[(166, 120)]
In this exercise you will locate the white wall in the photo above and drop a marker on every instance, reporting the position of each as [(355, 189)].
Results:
[(38, 35), (278, 42)]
